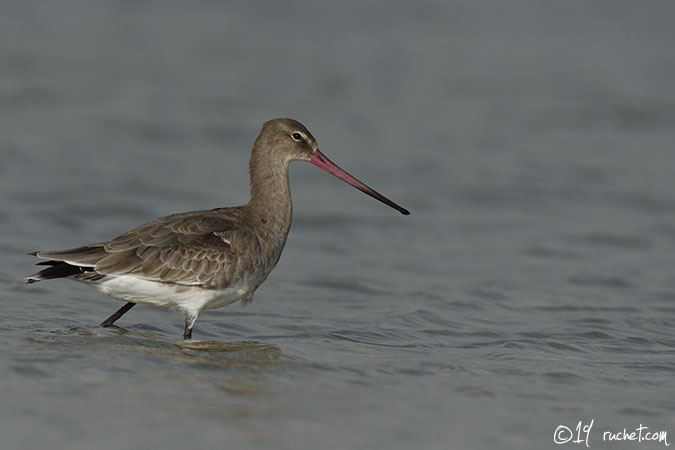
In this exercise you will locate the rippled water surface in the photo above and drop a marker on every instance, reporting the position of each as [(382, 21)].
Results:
[(533, 285)]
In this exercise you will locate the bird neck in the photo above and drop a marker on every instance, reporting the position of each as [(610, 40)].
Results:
[(270, 192)]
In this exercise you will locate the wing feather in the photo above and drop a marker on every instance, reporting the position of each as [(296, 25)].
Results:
[(118, 262), (196, 248)]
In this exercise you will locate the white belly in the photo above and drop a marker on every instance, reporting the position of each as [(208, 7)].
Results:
[(172, 296)]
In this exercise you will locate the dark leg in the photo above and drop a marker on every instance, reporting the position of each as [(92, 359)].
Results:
[(190, 319), (119, 313)]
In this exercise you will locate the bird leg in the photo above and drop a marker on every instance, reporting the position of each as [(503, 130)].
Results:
[(119, 313), (190, 319)]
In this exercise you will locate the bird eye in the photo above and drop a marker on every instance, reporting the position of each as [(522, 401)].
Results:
[(296, 136)]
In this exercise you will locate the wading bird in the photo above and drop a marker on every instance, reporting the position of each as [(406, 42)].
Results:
[(203, 259)]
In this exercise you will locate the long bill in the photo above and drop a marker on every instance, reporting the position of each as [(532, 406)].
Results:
[(320, 160)]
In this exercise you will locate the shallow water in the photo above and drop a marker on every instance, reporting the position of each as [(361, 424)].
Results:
[(531, 287)]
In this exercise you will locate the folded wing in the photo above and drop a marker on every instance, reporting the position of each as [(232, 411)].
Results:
[(203, 248)]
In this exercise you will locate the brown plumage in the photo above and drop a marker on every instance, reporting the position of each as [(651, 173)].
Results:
[(203, 259)]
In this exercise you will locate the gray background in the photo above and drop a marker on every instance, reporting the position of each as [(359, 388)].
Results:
[(532, 286)]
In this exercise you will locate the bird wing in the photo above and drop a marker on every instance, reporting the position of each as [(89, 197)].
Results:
[(204, 248)]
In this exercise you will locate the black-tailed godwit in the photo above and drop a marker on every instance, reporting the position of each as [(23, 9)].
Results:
[(203, 259)]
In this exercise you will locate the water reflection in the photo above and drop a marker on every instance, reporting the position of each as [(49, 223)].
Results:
[(234, 368), (239, 352)]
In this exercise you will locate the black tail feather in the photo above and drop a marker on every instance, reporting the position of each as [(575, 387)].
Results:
[(58, 269)]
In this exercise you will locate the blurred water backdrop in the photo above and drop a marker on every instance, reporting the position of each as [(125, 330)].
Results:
[(533, 285)]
